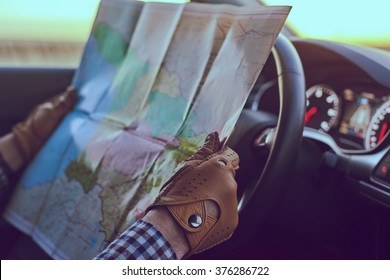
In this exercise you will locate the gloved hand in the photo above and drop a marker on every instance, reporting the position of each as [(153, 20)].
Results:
[(201, 196), (32, 133)]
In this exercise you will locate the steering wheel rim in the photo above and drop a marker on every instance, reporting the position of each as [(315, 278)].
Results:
[(259, 200)]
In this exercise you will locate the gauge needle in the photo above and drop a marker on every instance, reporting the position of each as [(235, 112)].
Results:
[(309, 114), (383, 131)]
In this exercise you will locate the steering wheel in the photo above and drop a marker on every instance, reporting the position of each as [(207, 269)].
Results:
[(282, 142)]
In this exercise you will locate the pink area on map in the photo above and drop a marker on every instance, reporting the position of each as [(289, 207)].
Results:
[(132, 154)]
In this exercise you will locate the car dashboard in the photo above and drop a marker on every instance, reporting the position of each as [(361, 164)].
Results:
[(356, 116), (348, 110), (347, 92)]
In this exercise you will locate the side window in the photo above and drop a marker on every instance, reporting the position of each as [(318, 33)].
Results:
[(46, 33)]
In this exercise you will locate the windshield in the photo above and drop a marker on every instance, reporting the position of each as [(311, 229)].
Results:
[(343, 21), (348, 21), (53, 33)]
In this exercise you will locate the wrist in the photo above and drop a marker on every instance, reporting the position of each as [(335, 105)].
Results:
[(10, 152), (161, 219)]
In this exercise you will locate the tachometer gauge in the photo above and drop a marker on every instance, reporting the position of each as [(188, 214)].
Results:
[(378, 127), (322, 107)]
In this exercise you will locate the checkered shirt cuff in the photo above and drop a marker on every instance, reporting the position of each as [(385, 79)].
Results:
[(5, 175), (140, 242)]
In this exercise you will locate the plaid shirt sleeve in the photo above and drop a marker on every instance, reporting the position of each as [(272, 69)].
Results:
[(141, 241)]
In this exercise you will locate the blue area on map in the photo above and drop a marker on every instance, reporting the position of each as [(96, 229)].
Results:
[(93, 241), (165, 114), (93, 81), (92, 65), (73, 133), (62, 148)]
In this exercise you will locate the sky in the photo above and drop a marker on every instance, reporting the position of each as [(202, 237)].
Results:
[(71, 20), (340, 20)]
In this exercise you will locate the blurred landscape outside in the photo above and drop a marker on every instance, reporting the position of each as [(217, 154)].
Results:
[(52, 33)]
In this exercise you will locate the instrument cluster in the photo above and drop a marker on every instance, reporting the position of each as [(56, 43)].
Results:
[(356, 118)]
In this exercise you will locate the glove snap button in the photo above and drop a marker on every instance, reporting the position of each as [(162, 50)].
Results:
[(195, 221), (222, 162)]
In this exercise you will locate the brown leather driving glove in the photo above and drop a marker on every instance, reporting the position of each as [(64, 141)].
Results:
[(207, 175), (32, 133)]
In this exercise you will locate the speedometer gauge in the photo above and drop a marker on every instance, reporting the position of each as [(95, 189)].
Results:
[(379, 126), (322, 107)]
